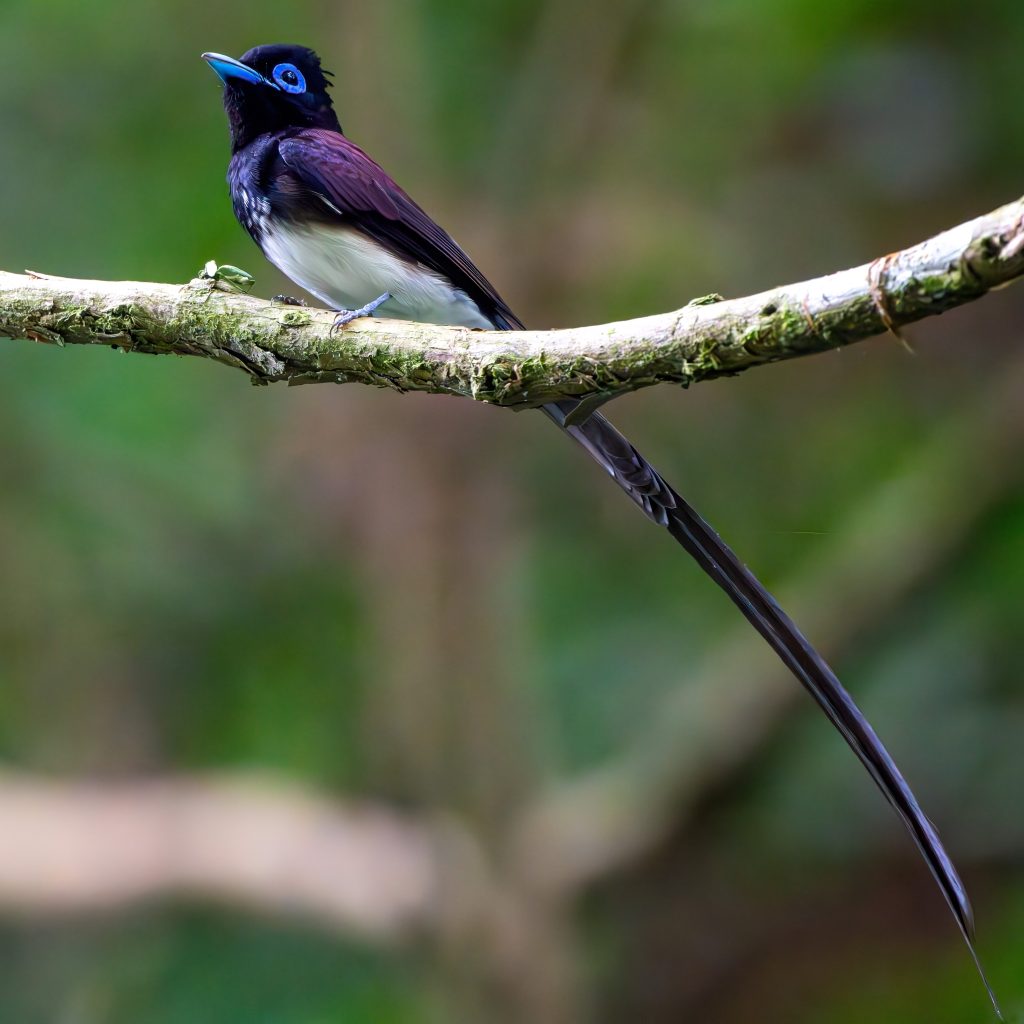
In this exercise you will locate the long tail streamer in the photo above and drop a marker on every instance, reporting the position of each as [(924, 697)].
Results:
[(665, 507)]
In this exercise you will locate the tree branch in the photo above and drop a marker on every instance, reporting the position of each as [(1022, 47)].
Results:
[(362, 869), (708, 338)]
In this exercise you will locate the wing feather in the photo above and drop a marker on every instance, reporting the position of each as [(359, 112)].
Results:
[(326, 167)]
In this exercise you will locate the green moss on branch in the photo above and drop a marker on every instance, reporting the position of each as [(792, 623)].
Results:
[(710, 337)]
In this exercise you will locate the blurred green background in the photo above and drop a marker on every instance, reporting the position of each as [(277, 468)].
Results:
[(443, 612)]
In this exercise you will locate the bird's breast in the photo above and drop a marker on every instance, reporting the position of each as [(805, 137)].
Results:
[(345, 268)]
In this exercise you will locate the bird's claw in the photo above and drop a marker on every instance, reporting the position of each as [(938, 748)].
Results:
[(346, 316)]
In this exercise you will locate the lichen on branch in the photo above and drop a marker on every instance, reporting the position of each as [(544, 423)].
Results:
[(703, 340)]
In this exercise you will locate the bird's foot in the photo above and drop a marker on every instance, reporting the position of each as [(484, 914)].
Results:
[(288, 300), (346, 316)]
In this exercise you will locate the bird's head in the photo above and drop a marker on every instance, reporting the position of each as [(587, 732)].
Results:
[(271, 88)]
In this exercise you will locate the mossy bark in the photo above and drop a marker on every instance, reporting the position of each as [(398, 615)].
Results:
[(708, 338)]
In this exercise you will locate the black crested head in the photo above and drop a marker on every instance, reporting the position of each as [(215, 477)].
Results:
[(272, 88)]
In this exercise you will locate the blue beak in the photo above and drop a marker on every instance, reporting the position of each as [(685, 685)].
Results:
[(227, 68)]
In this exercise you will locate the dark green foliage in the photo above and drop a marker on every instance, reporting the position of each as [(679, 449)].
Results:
[(415, 598)]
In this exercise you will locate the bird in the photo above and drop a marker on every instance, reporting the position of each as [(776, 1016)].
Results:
[(335, 223)]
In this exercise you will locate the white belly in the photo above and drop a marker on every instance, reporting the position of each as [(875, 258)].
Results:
[(345, 269)]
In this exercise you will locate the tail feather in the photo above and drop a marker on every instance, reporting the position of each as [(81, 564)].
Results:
[(665, 507)]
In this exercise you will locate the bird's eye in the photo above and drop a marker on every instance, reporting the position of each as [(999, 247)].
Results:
[(290, 78)]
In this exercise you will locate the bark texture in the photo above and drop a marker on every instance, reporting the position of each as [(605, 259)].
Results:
[(708, 338)]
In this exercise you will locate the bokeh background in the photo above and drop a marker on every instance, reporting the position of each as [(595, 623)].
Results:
[(333, 705)]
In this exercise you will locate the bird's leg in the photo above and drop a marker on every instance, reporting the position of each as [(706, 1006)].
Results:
[(346, 316), (288, 300)]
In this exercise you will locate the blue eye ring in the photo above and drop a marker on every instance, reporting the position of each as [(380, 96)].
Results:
[(289, 78)]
